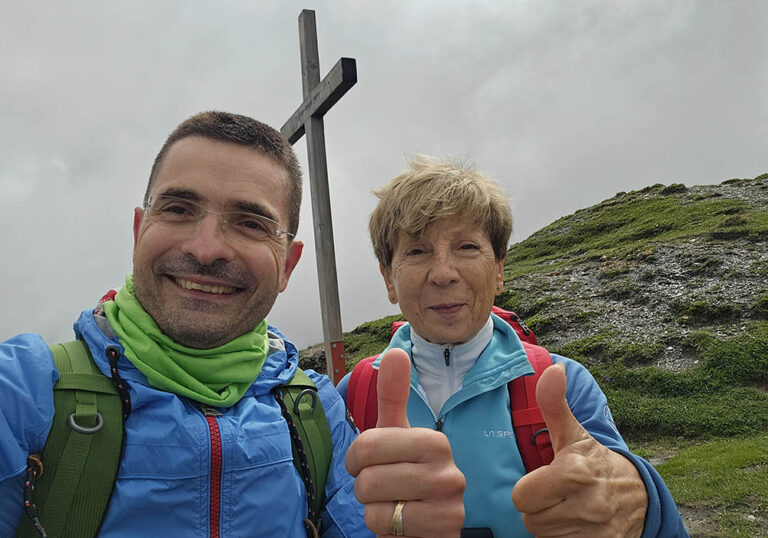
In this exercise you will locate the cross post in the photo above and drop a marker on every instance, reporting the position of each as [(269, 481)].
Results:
[(319, 97)]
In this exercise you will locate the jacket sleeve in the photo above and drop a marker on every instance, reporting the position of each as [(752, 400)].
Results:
[(590, 406), (343, 515), (27, 376)]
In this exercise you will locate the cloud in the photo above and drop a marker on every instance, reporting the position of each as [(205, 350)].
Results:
[(564, 103)]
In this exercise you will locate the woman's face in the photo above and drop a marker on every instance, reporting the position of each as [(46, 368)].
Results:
[(445, 281)]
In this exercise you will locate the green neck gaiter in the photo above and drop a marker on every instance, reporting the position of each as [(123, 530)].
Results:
[(218, 376)]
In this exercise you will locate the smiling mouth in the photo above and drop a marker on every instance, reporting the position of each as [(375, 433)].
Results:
[(447, 308), (218, 290)]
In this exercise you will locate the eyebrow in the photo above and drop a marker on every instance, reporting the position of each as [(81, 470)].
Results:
[(179, 192), (255, 208), (246, 206)]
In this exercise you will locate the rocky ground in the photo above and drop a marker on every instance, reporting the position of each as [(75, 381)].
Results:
[(658, 295), (651, 302)]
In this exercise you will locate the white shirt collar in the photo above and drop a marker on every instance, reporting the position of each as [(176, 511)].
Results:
[(439, 380)]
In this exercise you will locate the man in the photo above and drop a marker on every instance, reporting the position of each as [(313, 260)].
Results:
[(206, 449)]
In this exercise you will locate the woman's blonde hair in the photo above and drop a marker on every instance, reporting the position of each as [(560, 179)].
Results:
[(434, 189)]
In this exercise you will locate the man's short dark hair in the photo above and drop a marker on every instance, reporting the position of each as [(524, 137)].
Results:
[(244, 131)]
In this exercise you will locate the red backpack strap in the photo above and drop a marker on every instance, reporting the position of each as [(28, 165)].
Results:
[(530, 428), (362, 398), (523, 332)]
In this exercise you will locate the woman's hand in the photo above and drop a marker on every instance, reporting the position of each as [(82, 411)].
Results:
[(394, 462), (588, 489)]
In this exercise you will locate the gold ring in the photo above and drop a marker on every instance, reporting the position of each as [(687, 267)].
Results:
[(397, 519)]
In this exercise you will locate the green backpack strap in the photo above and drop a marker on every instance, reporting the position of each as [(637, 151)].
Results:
[(313, 450), (82, 453)]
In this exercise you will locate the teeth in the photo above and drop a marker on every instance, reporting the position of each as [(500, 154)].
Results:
[(219, 290)]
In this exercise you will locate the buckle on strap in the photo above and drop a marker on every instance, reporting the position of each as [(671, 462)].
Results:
[(83, 429), (304, 392), (536, 434)]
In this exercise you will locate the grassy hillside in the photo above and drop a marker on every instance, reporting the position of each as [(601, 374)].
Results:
[(631, 224)]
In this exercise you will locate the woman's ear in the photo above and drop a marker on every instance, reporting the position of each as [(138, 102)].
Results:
[(500, 278), (389, 282)]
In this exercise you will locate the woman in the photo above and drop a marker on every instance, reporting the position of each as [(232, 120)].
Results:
[(440, 233)]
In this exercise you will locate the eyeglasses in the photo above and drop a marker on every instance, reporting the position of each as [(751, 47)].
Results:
[(184, 214)]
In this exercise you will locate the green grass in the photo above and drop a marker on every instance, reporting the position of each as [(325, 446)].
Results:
[(627, 226), (725, 469), (726, 478), (703, 311), (761, 307), (602, 348), (723, 395), (368, 339)]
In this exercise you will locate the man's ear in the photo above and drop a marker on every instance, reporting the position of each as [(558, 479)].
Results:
[(389, 282), (138, 215), (292, 258)]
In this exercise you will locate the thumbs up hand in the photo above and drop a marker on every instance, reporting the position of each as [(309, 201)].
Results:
[(393, 387), (394, 462), (588, 489)]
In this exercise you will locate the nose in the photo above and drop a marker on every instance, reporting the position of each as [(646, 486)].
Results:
[(442, 268), (207, 242)]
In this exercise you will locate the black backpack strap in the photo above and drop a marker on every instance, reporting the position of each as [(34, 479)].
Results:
[(310, 440), (78, 467)]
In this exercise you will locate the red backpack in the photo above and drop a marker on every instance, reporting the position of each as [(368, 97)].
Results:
[(530, 429)]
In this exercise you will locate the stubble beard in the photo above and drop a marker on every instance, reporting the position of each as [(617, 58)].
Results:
[(196, 323)]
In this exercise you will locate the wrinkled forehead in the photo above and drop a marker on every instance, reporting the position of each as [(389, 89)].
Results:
[(440, 222), (224, 175), (449, 227)]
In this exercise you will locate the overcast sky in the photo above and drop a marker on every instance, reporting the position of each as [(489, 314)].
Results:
[(564, 103)]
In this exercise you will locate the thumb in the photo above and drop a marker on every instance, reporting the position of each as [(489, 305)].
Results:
[(563, 427), (393, 387)]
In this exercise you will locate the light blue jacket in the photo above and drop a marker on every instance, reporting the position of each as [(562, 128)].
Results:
[(477, 421), (163, 486)]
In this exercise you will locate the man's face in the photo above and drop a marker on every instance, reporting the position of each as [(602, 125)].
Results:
[(202, 288)]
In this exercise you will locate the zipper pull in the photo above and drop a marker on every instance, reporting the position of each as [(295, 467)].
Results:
[(209, 411), (447, 355), (519, 321), (439, 425)]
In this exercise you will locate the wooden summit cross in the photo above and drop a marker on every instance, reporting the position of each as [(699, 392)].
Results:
[(319, 97)]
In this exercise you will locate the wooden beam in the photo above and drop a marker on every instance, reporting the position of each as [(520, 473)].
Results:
[(323, 96), (319, 97)]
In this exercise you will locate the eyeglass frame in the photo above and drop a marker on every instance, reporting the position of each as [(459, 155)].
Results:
[(223, 220)]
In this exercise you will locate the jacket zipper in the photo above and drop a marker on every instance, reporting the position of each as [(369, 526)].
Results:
[(215, 485), (438, 422)]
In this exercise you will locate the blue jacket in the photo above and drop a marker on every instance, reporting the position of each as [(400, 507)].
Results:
[(477, 422), (163, 483)]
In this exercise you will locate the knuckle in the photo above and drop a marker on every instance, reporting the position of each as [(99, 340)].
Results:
[(373, 519), (603, 512), (364, 447), (448, 481), (363, 486), (440, 446), (458, 515), (457, 479)]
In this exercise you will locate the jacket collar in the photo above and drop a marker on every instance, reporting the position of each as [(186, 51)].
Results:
[(280, 365), (502, 360)]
